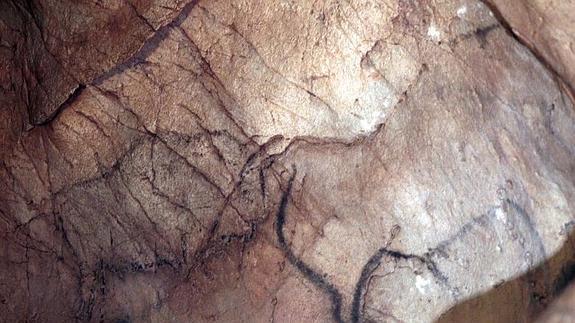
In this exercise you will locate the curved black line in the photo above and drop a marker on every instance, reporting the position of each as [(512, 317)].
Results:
[(306, 270), (319, 281), (366, 272), (372, 264)]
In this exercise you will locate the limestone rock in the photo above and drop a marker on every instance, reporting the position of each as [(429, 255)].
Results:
[(283, 161), (546, 26)]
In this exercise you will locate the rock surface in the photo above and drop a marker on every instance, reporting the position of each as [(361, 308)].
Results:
[(546, 26), (289, 161), (562, 310)]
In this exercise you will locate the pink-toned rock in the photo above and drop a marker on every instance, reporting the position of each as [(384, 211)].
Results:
[(303, 161)]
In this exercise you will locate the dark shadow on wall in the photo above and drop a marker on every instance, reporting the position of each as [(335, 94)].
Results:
[(524, 298)]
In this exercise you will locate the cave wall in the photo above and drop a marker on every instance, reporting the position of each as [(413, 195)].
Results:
[(290, 161)]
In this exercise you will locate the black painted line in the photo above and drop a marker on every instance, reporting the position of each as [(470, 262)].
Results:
[(317, 279)]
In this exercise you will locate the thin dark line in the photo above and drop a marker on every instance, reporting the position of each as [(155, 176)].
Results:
[(319, 281), (69, 101), (366, 272), (306, 270), (148, 46), (368, 269), (372, 264)]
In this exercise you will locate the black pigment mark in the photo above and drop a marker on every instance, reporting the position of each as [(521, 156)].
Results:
[(319, 280), (314, 277), (368, 269), (374, 262), (479, 33), (149, 46), (524, 217)]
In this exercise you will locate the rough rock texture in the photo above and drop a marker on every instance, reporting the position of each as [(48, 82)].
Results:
[(562, 310), (52, 49), (284, 161), (546, 26)]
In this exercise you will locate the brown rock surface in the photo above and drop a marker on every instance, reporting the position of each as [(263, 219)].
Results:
[(52, 49), (289, 161), (562, 310), (546, 26)]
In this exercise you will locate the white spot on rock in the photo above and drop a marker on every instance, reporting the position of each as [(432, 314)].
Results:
[(422, 284), (433, 32), (500, 215), (461, 11)]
